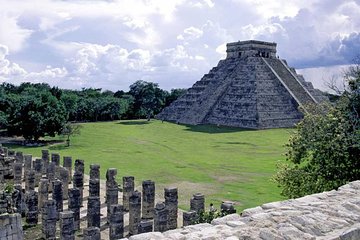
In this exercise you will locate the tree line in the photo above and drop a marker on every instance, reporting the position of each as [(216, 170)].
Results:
[(35, 110)]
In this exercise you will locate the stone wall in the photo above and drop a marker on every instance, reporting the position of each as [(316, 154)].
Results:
[(10, 227), (333, 215)]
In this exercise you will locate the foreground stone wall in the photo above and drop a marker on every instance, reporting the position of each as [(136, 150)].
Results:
[(11, 227), (333, 215)]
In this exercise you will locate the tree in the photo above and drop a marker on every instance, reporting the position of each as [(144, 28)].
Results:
[(324, 152), (36, 115), (70, 130), (149, 99), (174, 94)]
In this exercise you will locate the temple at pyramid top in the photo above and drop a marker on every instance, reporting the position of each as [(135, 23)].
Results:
[(251, 88)]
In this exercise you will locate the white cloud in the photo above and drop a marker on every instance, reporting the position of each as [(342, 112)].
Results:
[(11, 34)]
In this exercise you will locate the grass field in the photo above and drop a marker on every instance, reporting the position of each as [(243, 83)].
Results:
[(223, 163)]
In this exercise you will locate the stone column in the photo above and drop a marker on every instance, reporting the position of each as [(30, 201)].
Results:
[(189, 218), (38, 165), (197, 203), (11, 153), (49, 220), (68, 165), (94, 171), (30, 180), (128, 188), (94, 187), (92, 233), (55, 158), (67, 226), (93, 211), (171, 202), (74, 204), (31, 199), (145, 226), (27, 164), (227, 207), (51, 174), (112, 190), (134, 212), (43, 192), (161, 218), (148, 199), (19, 157), (19, 199), (57, 195), (64, 178), (116, 222), (78, 179), (17, 172), (45, 159)]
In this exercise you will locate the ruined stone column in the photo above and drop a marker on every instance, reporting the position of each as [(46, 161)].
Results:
[(58, 195), (64, 178), (134, 212), (93, 211), (51, 174), (116, 222), (148, 199), (38, 165), (92, 233), (49, 220), (67, 226), (19, 199), (43, 192), (27, 164), (94, 171), (227, 207), (11, 153), (94, 187), (189, 218), (30, 180), (161, 218), (112, 189), (19, 157), (68, 165), (197, 203), (74, 204), (78, 179), (128, 188), (31, 200), (171, 202), (45, 159), (17, 172), (55, 158), (145, 226)]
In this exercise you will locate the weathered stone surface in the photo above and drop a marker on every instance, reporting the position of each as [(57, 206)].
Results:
[(64, 178), (43, 192), (148, 199), (145, 226), (94, 187), (94, 171), (330, 215), (128, 188), (161, 218), (93, 211), (17, 172), (11, 227), (67, 163), (78, 178), (197, 202), (58, 195), (189, 218), (67, 231), (116, 222), (45, 159), (171, 203), (75, 205), (50, 173), (92, 233), (134, 212), (251, 88), (112, 190), (38, 168), (48, 216)]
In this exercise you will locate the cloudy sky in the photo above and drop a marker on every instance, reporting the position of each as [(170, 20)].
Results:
[(109, 44)]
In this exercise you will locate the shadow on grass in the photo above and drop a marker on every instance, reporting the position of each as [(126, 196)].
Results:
[(20, 143), (134, 122), (213, 129)]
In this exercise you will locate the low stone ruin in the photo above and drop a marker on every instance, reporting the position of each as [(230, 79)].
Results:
[(64, 204)]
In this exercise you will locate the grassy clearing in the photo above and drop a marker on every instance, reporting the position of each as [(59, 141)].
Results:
[(223, 163)]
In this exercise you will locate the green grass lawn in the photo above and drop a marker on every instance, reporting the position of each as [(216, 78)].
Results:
[(223, 163)]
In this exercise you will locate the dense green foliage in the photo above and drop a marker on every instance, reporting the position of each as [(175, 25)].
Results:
[(38, 110), (222, 163), (324, 153)]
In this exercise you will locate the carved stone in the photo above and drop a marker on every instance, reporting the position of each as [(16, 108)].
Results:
[(134, 212), (161, 218), (148, 199), (171, 202), (116, 222), (93, 212), (67, 225), (128, 188)]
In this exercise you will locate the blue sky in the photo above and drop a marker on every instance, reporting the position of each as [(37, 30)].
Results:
[(111, 44)]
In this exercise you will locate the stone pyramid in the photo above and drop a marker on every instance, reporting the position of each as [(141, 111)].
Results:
[(251, 88)]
